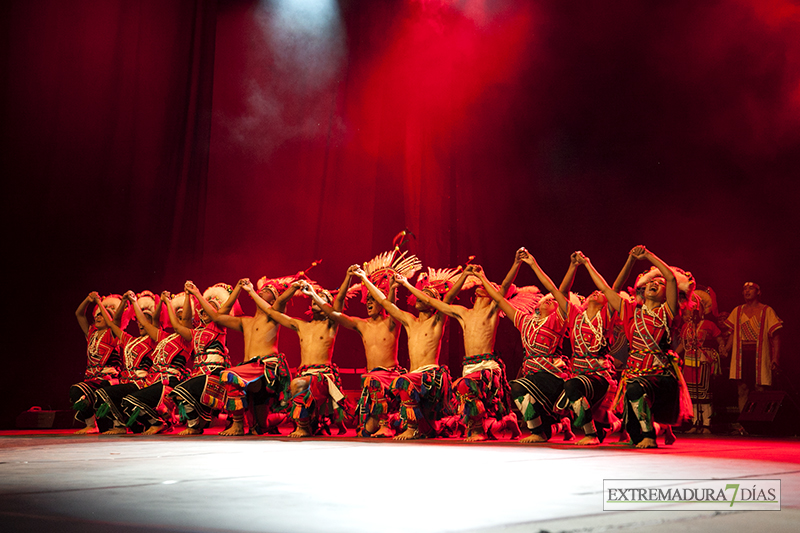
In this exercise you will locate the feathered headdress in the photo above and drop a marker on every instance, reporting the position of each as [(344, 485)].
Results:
[(278, 285), (436, 281), (381, 268), (524, 299)]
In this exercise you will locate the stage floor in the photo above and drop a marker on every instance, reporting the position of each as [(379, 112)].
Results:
[(55, 481)]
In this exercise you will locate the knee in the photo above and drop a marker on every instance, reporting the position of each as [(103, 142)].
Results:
[(463, 386), (633, 392), (299, 385), (573, 390), (517, 390), (75, 393)]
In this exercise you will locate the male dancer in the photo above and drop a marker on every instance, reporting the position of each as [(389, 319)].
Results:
[(756, 343), (483, 388), (380, 334), (263, 376), (425, 392), (316, 391)]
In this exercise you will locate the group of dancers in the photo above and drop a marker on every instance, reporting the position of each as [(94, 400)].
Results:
[(178, 366)]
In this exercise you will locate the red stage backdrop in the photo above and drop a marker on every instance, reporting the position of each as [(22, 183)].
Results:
[(148, 143)]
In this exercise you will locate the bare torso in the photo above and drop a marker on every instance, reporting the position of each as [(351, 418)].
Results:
[(480, 328), (380, 336), (260, 336), (316, 341), (424, 339)]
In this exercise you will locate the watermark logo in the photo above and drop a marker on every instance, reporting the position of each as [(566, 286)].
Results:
[(692, 494)]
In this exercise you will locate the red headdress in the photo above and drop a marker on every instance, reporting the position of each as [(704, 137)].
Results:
[(524, 299), (381, 268), (436, 281), (278, 285)]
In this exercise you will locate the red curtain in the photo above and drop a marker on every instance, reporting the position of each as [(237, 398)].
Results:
[(146, 143)]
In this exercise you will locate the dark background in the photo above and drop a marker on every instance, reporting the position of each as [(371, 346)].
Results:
[(146, 143)]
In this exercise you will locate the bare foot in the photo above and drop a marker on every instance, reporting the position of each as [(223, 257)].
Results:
[(192, 431), (476, 436), (408, 434), (88, 430), (236, 429), (669, 436), (383, 433), (155, 429), (647, 443), (533, 438), (300, 432), (588, 441), (116, 431)]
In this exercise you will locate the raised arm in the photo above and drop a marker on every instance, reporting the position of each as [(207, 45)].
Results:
[(455, 289), (280, 318), (229, 303), (512, 273), (666, 271), (623, 275), (336, 316), (569, 277), (150, 328), (435, 303), (157, 314), (80, 312), (395, 312), (110, 321), (499, 299), (187, 316), (547, 282), (218, 317), (338, 302), (178, 325), (614, 299), (282, 300)]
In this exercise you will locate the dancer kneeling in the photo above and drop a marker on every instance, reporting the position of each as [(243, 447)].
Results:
[(652, 385), (544, 370), (316, 391)]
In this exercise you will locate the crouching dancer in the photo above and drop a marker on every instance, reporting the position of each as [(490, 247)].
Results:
[(380, 334), (194, 396), (147, 409), (262, 379), (651, 381), (590, 392), (102, 357), (426, 391), (544, 369), (137, 358), (316, 391)]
